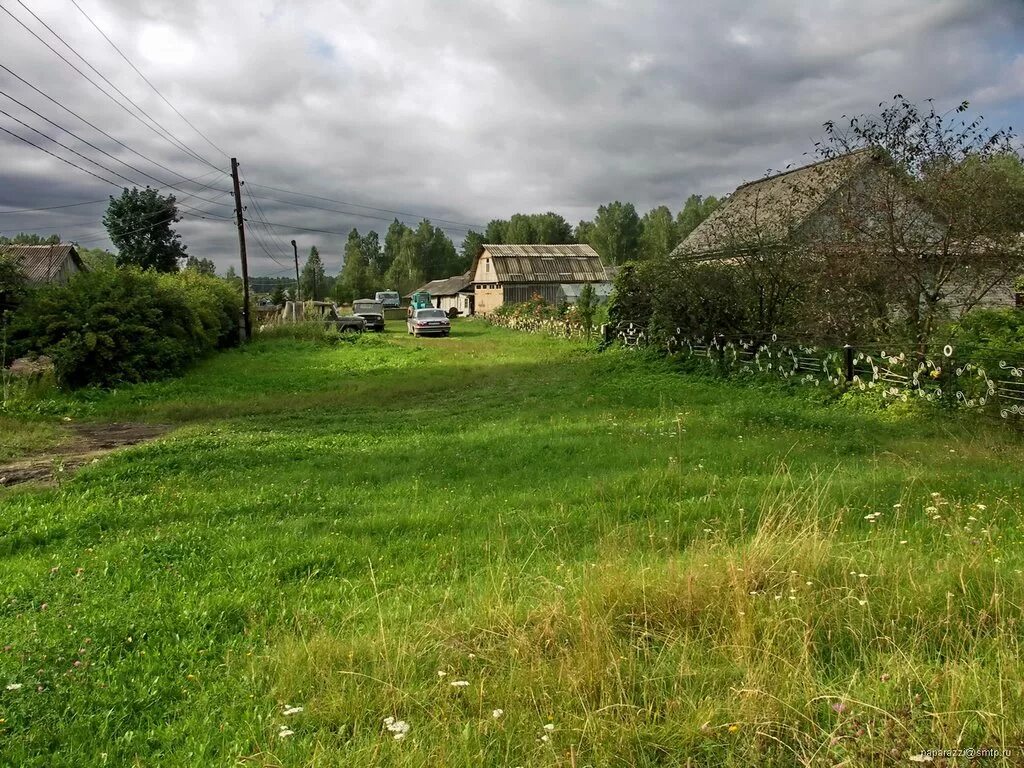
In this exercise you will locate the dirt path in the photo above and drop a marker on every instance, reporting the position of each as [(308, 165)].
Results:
[(86, 443)]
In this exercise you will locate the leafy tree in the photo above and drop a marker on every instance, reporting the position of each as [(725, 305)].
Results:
[(530, 229), (495, 232), (140, 225), (695, 210), (356, 278), (312, 282), (425, 253), (938, 227), (552, 229), (659, 234), (202, 266), (616, 233), (371, 248), (406, 271), (472, 244), (392, 245), (586, 307), (277, 297), (584, 232), (233, 278), (12, 282), (29, 238), (97, 258)]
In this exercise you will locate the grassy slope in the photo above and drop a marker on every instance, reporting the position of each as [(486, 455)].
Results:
[(657, 565)]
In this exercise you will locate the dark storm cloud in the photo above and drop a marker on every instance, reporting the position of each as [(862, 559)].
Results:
[(469, 111)]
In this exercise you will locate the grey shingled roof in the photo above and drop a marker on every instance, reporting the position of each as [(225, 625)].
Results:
[(41, 263), (546, 264), (449, 286), (771, 209)]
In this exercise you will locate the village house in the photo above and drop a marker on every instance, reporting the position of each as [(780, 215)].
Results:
[(842, 205), (42, 264), (512, 274), (452, 293)]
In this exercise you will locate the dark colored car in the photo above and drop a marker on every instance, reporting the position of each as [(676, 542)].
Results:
[(328, 312), (429, 322), (371, 311)]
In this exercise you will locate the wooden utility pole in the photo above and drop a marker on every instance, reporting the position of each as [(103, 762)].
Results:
[(296, 249), (246, 319)]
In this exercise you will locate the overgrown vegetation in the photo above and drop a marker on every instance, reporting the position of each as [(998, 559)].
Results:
[(912, 222), (607, 564), (110, 327)]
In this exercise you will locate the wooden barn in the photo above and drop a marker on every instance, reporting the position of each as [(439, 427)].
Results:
[(42, 264), (511, 274)]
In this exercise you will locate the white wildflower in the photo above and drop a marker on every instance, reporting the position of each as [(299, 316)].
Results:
[(13, 686), (545, 737), (982, 507), (285, 732), (398, 728), (497, 713), (289, 711), (549, 727), (862, 602), (441, 673), (922, 758), (459, 683)]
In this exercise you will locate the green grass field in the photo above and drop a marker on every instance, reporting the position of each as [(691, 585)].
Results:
[(527, 552)]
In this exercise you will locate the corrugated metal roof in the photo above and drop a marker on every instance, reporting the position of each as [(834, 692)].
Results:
[(770, 209), (546, 264), (41, 263)]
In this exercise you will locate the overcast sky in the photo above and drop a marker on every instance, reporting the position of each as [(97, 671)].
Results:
[(466, 110)]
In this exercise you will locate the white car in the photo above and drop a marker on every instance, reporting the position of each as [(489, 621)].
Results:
[(429, 322)]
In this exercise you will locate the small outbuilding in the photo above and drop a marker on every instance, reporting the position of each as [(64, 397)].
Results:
[(44, 264), (452, 293)]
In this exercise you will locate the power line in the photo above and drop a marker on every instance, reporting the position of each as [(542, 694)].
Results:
[(54, 207), (146, 79), (100, 130), (184, 147), (261, 216), (63, 160), (459, 224), (97, 86), (161, 182), (98, 165)]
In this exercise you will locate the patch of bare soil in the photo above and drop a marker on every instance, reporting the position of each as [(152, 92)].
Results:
[(86, 443)]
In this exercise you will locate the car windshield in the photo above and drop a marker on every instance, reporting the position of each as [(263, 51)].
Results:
[(431, 313), (388, 295), (366, 306)]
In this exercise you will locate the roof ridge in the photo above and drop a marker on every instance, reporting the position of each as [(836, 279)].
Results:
[(863, 150)]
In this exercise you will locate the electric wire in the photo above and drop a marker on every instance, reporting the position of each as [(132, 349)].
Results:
[(100, 130), (146, 79), (88, 143), (458, 224), (97, 86), (182, 145)]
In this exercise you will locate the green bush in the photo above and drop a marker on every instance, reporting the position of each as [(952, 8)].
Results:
[(989, 337), (110, 327)]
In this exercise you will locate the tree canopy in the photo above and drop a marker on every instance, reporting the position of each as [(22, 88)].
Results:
[(140, 225)]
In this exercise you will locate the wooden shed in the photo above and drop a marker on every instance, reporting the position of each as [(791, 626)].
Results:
[(42, 264), (515, 273)]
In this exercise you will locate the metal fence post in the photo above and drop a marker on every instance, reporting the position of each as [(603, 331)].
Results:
[(848, 362)]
